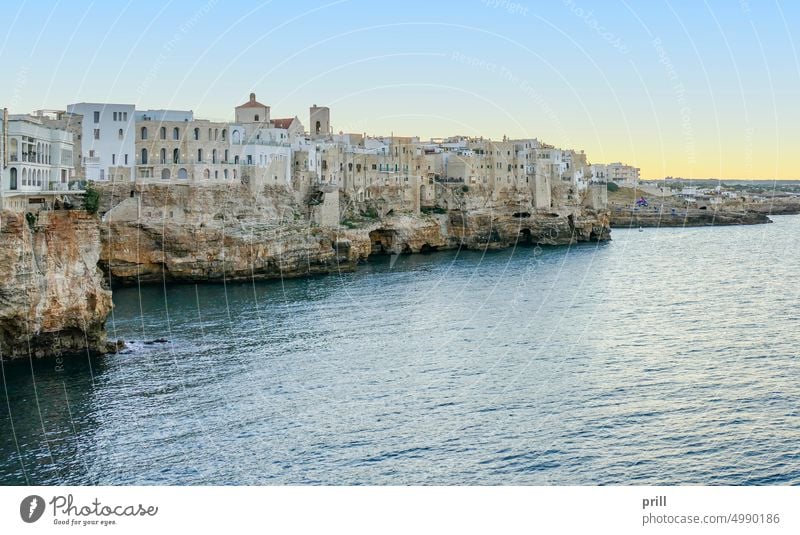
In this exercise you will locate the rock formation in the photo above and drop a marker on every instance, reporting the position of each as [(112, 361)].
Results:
[(52, 295), (155, 233)]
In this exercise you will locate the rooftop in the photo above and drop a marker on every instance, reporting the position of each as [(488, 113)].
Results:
[(252, 103)]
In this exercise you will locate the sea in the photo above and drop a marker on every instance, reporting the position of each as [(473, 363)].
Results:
[(667, 356)]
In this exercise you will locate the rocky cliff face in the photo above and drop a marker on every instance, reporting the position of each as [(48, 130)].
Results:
[(155, 233), (215, 233), (482, 230), (52, 296)]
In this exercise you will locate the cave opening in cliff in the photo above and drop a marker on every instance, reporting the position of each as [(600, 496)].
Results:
[(521, 215), (382, 241), (525, 237), (428, 248)]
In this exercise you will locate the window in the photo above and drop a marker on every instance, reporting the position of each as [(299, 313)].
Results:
[(199, 155), (163, 156), (176, 134), (113, 159), (214, 156), (144, 133), (97, 133), (256, 117), (197, 134), (176, 156), (120, 133), (124, 115), (374, 167), (126, 159), (163, 133), (223, 134), (91, 154), (144, 156), (115, 116), (226, 154), (97, 117)]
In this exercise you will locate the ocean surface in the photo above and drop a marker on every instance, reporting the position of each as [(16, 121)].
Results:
[(668, 356)]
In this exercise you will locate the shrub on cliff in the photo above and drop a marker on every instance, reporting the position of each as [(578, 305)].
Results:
[(612, 187), (91, 201)]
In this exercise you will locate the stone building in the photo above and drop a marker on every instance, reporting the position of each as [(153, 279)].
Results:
[(181, 151)]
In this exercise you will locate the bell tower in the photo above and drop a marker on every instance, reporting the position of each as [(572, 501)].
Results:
[(319, 121)]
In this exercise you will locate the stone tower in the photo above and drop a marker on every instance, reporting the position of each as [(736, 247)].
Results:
[(319, 121)]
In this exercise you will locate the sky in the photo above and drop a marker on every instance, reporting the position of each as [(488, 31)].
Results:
[(689, 88)]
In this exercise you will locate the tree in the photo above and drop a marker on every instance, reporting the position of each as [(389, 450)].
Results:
[(91, 200)]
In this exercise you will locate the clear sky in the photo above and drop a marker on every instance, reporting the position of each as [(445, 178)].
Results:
[(687, 88)]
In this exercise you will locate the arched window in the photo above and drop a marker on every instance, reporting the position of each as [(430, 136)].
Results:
[(226, 154), (144, 153), (214, 156), (176, 134), (223, 134), (176, 156), (144, 132), (163, 132), (236, 160), (165, 174), (216, 133), (120, 134), (236, 137), (24, 177), (206, 174), (197, 134), (216, 174), (350, 167), (182, 174), (209, 134), (256, 117), (199, 155), (225, 174), (13, 182), (318, 127), (163, 156)]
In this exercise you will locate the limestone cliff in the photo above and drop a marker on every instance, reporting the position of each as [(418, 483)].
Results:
[(52, 296), (155, 233), (214, 233)]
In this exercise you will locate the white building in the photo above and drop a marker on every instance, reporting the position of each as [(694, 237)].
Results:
[(107, 137), (623, 174), (39, 160)]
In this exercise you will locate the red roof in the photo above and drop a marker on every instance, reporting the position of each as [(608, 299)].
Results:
[(282, 123), (252, 103)]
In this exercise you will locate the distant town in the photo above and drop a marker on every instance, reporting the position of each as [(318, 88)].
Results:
[(48, 155)]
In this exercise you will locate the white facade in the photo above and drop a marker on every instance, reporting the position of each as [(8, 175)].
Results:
[(623, 174), (107, 137), (40, 160)]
